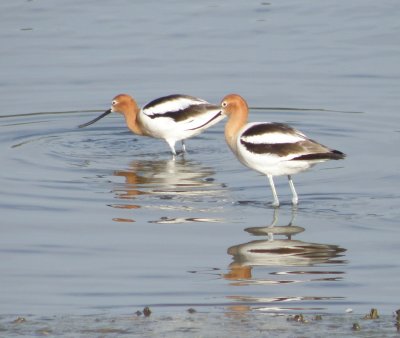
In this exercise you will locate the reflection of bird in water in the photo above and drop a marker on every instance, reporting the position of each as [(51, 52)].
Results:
[(272, 149), (167, 180), (172, 118), (279, 252), (284, 252), (164, 177)]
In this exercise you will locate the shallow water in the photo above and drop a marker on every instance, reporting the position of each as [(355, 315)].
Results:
[(98, 220), (191, 323)]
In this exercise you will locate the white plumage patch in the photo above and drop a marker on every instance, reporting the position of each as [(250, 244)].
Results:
[(272, 138)]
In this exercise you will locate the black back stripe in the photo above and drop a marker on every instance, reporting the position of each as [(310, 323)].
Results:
[(172, 97), (208, 122), (269, 128), (279, 149), (185, 114)]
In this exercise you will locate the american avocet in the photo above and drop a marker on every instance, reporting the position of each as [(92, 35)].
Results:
[(271, 148), (172, 118)]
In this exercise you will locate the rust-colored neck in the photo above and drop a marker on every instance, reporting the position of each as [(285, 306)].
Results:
[(237, 111), (132, 119), (127, 106)]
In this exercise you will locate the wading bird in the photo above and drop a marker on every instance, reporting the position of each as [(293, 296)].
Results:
[(172, 118), (272, 149)]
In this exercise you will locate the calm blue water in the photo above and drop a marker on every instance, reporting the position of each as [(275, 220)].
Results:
[(100, 220)]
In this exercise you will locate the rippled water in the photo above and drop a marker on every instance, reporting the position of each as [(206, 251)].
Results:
[(100, 220)]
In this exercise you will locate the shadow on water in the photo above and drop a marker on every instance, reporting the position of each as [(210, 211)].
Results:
[(285, 261)]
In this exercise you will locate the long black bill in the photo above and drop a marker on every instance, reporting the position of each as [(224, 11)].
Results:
[(95, 120)]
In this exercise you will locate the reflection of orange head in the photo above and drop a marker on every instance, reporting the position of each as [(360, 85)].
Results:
[(129, 189), (237, 312), (239, 308), (238, 272), (125, 206), (123, 220), (131, 177), (126, 192)]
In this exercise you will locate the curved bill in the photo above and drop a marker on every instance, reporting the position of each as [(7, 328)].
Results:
[(95, 120)]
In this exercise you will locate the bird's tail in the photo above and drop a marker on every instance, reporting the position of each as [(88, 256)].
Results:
[(330, 155)]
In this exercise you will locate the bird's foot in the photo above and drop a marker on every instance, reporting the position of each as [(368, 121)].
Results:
[(275, 204)]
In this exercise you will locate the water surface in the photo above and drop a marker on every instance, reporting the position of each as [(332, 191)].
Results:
[(98, 220)]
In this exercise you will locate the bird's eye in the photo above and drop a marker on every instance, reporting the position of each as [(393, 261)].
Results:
[(114, 103), (224, 104)]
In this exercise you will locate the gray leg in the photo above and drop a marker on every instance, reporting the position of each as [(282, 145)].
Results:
[(183, 146), (295, 198), (274, 220), (275, 203), (294, 214)]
